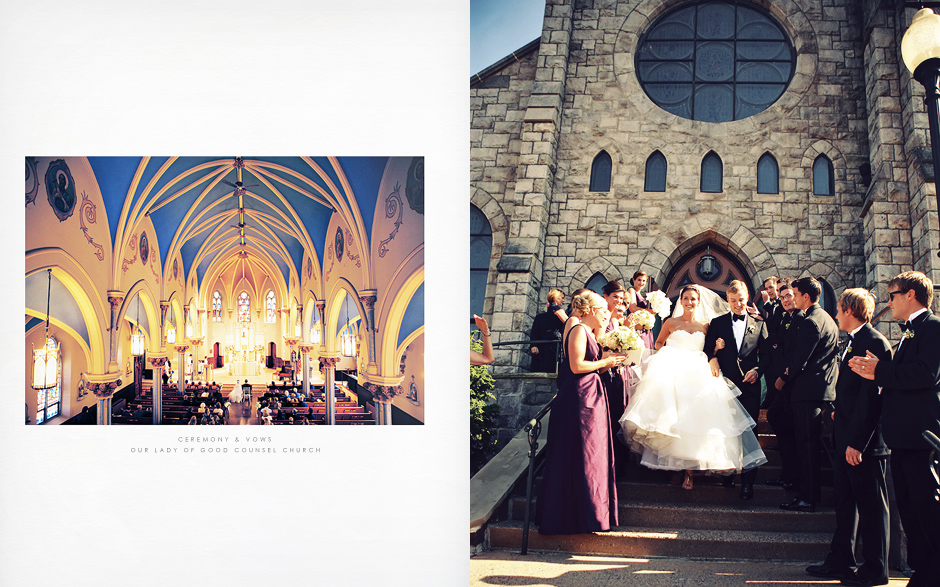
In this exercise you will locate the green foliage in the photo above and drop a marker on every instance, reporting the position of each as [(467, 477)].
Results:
[(483, 414)]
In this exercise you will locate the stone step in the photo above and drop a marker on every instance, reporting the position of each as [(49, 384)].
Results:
[(710, 492), (686, 543), (737, 515)]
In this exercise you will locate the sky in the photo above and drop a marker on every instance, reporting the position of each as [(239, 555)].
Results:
[(499, 27)]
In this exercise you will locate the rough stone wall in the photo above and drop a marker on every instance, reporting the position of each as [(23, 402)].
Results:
[(823, 111)]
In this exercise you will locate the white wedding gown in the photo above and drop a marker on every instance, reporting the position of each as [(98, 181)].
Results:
[(682, 417)]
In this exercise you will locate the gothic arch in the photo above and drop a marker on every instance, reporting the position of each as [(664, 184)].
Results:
[(680, 238), (586, 271), (830, 274), (499, 226), (839, 166)]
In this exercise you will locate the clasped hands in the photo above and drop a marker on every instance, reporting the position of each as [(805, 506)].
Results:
[(749, 377), (612, 360)]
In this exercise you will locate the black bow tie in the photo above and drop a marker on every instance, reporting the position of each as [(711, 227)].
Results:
[(905, 326), (736, 317), (851, 337)]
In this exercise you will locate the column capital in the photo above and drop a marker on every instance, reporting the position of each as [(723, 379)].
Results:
[(181, 348), (306, 348), (115, 298), (383, 393), (164, 305), (368, 298), (158, 362), (328, 362), (102, 385), (321, 306)]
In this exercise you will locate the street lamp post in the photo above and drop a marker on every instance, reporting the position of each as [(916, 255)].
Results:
[(920, 49)]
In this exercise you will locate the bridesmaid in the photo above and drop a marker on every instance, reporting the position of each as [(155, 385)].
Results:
[(579, 492), (614, 380), (636, 303)]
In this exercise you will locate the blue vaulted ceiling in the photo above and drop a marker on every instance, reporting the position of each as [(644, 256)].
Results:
[(281, 202)]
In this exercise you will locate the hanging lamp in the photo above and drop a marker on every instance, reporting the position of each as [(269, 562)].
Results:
[(46, 358), (137, 339), (346, 339)]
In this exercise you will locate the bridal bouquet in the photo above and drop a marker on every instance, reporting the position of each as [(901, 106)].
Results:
[(645, 320), (622, 340), (659, 303)]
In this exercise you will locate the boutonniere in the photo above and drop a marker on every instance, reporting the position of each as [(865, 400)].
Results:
[(750, 329), (786, 326), (849, 349), (909, 333)]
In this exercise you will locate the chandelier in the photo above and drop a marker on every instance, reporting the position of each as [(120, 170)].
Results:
[(46, 358), (347, 345), (137, 339)]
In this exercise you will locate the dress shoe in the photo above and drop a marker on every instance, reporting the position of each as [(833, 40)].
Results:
[(747, 491), (727, 481), (798, 505), (862, 580), (825, 570)]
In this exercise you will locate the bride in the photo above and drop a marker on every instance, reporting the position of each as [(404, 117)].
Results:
[(681, 417)]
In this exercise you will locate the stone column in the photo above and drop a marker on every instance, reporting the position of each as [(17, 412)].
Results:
[(321, 310), (285, 322), (300, 320), (164, 307), (519, 271), (383, 391), (196, 343), (115, 298), (103, 387), (328, 368), (368, 298), (305, 349), (158, 361), (181, 366)]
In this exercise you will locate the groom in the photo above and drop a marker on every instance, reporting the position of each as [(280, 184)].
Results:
[(744, 358)]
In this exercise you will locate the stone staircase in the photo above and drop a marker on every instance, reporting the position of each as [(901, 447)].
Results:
[(710, 521)]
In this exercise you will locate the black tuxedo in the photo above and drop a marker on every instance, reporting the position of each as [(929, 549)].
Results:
[(780, 412), (811, 384), (911, 404), (861, 491), (734, 363)]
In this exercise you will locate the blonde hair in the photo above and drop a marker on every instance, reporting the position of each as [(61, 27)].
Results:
[(858, 302), (555, 296), (582, 303), (736, 286)]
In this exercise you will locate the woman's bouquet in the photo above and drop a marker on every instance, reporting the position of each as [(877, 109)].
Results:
[(641, 320), (622, 340), (659, 303)]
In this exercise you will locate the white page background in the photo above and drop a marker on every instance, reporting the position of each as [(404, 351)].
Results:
[(376, 505)]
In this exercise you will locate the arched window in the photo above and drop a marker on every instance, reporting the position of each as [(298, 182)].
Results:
[(767, 175), (655, 173), (823, 181), (600, 172), (481, 244), (828, 297), (711, 179), (216, 307), (271, 308), (48, 400), (597, 283), (244, 307)]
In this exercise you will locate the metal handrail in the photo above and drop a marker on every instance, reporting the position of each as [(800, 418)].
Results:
[(533, 429)]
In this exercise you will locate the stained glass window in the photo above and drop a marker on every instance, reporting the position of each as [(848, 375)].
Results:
[(767, 175), (655, 173), (823, 182), (216, 307), (244, 307), (481, 244), (271, 308), (600, 172), (711, 173), (715, 61), (48, 400)]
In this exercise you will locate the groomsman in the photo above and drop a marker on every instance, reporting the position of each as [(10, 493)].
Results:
[(772, 312), (911, 390), (743, 358), (780, 412), (810, 380), (860, 456)]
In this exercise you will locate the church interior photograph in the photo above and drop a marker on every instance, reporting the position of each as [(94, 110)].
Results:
[(224, 290)]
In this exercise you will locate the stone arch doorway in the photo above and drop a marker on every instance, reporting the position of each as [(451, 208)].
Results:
[(708, 265)]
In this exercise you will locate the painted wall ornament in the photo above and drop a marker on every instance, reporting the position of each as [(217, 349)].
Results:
[(414, 189), (32, 181), (176, 269), (339, 244), (349, 253), (309, 268), (60, 189), (88, 212), (127, 262), (393, 205), (144, 248)]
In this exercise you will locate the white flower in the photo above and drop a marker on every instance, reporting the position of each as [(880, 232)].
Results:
[(642, 319), (621, 340), (659, 303)]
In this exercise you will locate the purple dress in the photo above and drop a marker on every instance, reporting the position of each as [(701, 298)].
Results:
[(646, 335), (579, 492)]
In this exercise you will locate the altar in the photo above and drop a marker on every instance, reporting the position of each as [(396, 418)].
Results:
[(245, 368)]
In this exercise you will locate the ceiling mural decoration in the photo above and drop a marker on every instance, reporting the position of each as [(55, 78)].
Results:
[(60, 189), (32, 181), (89, 212), (415, 189)]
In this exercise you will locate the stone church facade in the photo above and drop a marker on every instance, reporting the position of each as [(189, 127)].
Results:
[(542, 117)]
